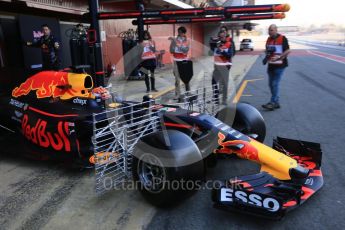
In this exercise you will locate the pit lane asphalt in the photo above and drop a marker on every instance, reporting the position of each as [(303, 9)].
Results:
[(313, 109)]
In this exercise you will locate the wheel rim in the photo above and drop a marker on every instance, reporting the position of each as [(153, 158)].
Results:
[(151, 173)]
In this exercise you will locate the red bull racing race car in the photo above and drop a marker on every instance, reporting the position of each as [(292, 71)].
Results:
[(62, 116)]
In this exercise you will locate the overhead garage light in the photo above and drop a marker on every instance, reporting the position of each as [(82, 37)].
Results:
[(179, 4)]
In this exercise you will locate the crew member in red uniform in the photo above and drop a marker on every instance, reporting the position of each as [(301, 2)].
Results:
[(148, 61), (277, 49), (229, 38), (222, 63), (179, 48), (49, 48)]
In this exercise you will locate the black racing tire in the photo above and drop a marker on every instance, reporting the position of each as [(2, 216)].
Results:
[(166, 166), (244, 118)]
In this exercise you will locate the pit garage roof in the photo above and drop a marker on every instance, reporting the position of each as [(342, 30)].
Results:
[(79, 7), (74, 9)]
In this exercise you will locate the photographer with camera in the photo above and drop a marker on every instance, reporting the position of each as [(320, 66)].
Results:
[(213, 40), (229, 38), (277, 50), (222, 52)]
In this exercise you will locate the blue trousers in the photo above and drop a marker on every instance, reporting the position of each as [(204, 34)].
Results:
[(274, 77)]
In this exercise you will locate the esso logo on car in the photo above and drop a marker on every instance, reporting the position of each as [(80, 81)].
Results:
[(269, 203)]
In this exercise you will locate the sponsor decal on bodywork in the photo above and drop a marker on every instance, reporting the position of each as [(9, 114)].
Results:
[(104, 157), (18, 114), (56, 84), (194, 114), (239, 196), (79, 101), (41, 134), (16, 103), (44, 83), (242, 149)]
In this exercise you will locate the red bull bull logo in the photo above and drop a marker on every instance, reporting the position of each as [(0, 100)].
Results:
[(242, 149), (56, 84), (45, 83)]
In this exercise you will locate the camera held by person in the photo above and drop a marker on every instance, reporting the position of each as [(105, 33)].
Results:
[(215, 42), (269, 52)]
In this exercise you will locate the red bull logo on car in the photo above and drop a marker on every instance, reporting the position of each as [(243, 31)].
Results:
[(45, 83), (56, 84), (40, 134), (242, 149)]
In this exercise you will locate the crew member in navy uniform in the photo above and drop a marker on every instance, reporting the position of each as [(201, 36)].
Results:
[(49, 48), (277, 62), (222, 63)]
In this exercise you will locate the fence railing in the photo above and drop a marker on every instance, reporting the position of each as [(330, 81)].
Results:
[(116, 132)]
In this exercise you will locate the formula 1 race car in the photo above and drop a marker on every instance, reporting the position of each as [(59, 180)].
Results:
[(64, 117)]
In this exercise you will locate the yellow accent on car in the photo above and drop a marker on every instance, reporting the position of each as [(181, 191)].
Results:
[(79, 85), (274, 162)]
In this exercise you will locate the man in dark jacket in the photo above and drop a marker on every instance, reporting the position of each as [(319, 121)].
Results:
[(49, 48)]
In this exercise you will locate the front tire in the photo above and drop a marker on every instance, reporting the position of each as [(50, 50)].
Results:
[(166, 165), (246, 119)]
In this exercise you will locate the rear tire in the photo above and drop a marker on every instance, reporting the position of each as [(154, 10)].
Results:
[(166, 166)]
